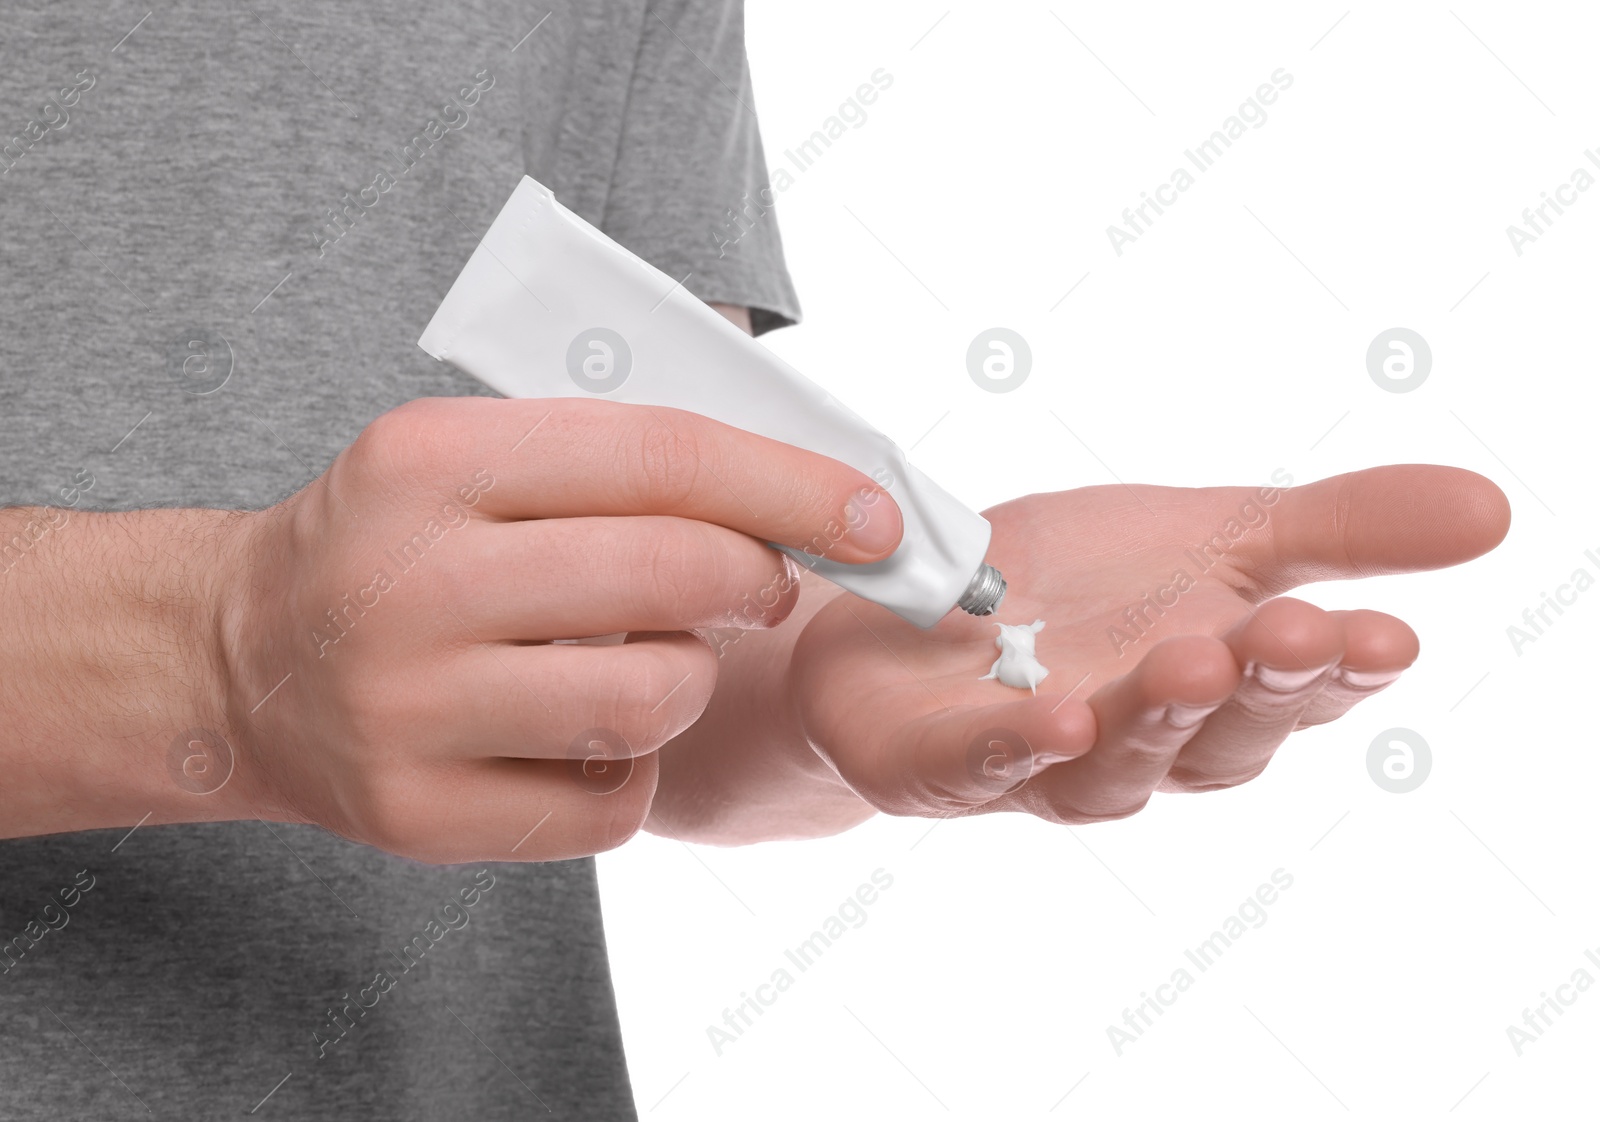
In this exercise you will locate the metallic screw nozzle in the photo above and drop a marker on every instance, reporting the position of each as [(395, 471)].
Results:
[(984, 593)]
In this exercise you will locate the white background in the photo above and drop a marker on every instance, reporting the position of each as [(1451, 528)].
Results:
[(1227, 342)]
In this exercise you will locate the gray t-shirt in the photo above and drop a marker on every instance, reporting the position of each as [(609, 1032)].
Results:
[(207, 172)]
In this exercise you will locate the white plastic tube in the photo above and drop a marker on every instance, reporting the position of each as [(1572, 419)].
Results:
[(548, 306)]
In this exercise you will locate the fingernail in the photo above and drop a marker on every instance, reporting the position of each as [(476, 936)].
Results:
[(1279, 680), (1367, 679), (1042, 760), (874, 522), (1187, 716)]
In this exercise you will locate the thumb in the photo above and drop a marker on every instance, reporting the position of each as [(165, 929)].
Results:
[(1397, 519)]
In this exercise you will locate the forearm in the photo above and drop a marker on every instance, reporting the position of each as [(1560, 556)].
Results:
[(745, 772), (109, 657)]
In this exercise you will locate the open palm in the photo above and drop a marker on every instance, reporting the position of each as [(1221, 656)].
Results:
[(1175, 663)]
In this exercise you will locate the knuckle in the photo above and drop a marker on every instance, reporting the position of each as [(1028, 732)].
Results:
[(1343, 503), (937, 800), (623, 826), (625, 810), (1259, 708), (1145, 758), (670, 460), (1120, 813), (1090, 814), (664, 695), (669, 574), (401, 440), (389, 816), (644, 683), (1197, 780)]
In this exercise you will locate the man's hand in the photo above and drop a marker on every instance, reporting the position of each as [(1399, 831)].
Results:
[(1171, 666), (377, 655)]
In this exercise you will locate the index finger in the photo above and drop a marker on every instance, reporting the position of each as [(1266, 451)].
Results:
[(573, 457)]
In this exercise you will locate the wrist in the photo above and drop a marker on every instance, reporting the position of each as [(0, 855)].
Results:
[(236, 653), (176, 567), (111, 682)]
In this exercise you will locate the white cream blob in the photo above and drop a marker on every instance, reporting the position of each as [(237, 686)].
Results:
[(1016, 665)]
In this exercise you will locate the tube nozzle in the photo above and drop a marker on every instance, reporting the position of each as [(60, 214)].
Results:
[(984, 593)]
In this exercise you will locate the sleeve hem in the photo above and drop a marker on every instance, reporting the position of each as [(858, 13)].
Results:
[(768, 311)]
